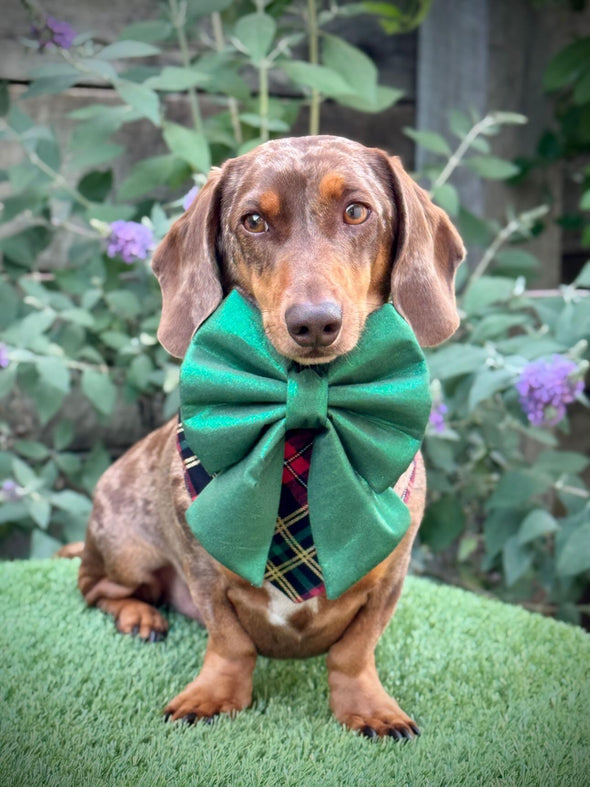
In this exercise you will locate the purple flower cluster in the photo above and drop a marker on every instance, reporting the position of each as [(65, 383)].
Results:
[(130, 240), (10, 490), (437, 417), (54, 33), (189, 197), (546, 387), (4, 357)]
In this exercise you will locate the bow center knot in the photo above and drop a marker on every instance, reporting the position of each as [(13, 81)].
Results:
[(307, 399)]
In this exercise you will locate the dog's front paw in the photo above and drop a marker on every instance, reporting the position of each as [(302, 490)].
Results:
[(202, 701), (363, 705)]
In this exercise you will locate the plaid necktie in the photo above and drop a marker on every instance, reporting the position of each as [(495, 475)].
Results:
[(292, 564)]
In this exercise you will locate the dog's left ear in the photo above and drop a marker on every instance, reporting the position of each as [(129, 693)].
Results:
[(426, 256)]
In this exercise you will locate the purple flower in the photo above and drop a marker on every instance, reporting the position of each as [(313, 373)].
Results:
[(10, 490), (130, 241), (4, 357), (188, 198), (54, 33), (546, 386), (437, 417)]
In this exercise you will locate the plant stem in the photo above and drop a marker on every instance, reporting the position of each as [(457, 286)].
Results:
[(263, 99), (313, 31), (455, 159), (231, 101), (178, 17)]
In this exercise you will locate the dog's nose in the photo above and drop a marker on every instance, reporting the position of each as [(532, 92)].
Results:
[(314, 324)]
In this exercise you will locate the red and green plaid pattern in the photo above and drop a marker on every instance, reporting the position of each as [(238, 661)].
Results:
[(292, 564)]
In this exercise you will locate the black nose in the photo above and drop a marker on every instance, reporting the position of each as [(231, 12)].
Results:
[(314, 324)]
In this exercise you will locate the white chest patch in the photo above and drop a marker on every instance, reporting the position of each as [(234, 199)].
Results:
[(280, 607)]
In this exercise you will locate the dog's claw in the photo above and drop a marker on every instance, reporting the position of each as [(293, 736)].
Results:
[(393, 733), (190, 718), (415, 729), (368, 732), (406, 734), (135, 631), (156, 636), (167, 715)]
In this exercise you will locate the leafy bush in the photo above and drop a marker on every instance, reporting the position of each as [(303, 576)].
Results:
[(79, 307)]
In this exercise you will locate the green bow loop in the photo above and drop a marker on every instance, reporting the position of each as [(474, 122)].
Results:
[(239, 397)]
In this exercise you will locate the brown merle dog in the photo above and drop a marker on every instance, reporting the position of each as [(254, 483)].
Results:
[(317, 232)]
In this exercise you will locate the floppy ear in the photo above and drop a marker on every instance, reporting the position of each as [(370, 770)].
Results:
[(426, 257), (186, 267)]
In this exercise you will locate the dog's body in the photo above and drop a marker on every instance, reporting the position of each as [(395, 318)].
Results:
[(317, 232)]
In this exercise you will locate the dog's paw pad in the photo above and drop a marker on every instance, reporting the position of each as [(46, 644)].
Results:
[(141, 620)]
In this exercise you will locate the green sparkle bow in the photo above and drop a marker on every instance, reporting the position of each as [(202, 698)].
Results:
[(239, 396)]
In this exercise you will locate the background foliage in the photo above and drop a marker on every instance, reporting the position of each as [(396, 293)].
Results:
[(509, 511)]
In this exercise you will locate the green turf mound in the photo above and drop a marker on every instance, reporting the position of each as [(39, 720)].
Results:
[(502, 696)]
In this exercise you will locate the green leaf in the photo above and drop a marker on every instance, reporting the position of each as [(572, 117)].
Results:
[(109, 213), (456, 359), (574, 556), (487, 383), (517, 487), (327, 81), (485, 291), (97, 386), (124, 303), (256, 33), (567, 64), (383, 98), (152, 172), (585, 201), (515, 262), (492, 168), (538, 523), (582, 89), (96, 185), (97, 461), (24, 474), (31, 326), (149, 31), (559, 462), (190, 145), (73, 502), (7, 380), (122, 49), (583, 277), (357, 70), (176, 79), (31, 449), (140, 371), (494, 325), (443, 523), (429, 140), (43, 546), (141, 98), (447, 196), (51, 85), (206, 7), (95, 155), (40, 510), (255, 121), (63, 434), (55, 372), (516, 560)]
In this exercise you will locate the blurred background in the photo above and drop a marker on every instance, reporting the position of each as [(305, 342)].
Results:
[(111, 117)]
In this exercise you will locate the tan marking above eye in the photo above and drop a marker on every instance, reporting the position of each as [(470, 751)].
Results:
[(270, 203), (356, 213), (254, 223), (332, 186)]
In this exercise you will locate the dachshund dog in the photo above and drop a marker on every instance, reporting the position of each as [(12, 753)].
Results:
[(317, 232)]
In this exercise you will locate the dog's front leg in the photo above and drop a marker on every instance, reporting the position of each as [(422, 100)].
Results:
[(357, 697), (224, 684)]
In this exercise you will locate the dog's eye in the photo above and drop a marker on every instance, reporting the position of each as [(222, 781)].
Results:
[(356, 213), (254, 222)]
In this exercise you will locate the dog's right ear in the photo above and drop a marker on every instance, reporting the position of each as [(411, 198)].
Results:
[(186, 267)]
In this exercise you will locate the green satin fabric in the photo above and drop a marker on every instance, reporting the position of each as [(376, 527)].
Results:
[(239, 396)]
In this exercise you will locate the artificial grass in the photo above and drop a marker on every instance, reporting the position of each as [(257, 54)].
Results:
[(502, 697)]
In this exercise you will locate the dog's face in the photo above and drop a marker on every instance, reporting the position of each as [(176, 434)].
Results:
[(318, 232)]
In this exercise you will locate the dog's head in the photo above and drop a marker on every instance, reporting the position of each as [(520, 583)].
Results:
[(318, 232)]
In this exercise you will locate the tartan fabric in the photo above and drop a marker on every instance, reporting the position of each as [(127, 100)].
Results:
[(292, 564)]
